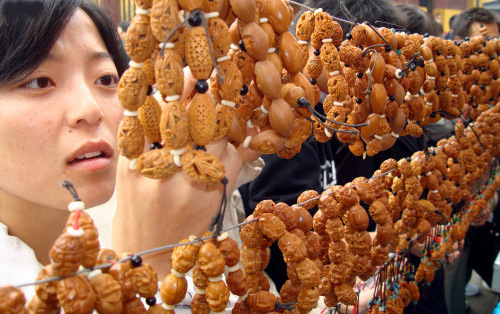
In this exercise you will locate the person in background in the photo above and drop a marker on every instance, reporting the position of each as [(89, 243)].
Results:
[(469, 22), (122, 32)]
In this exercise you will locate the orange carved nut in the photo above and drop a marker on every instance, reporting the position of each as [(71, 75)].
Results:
[(130, 137), (308, 199), (198, 53), (174, 127), (164, 17), (12, 300), (184, 257), (219, 36), (132, 89), (261, 301), (156, 164), (230, 251), (202, 118), (237, 282), (199, 304), (149, 116), (204, 167), (140, 42), (217, 295), (210, 260), (271, 226), (67, 254), (169, 74), (305, 26), (76, 295), (173, 289), (108, 294)]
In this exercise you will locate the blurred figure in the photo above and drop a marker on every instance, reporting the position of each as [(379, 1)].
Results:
[(418, 21), (379, 13), (469, 23), (122, 31)]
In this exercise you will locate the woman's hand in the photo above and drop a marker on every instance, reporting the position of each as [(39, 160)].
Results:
[(152, 213)]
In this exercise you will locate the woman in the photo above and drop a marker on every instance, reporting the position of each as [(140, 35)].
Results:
[(60, 114)]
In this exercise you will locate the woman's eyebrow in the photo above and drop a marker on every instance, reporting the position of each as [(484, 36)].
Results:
[(101, 55), (96, 56)]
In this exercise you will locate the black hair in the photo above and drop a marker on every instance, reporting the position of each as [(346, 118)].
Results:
[(418, 21), (379, 13), (462, 22), (26, 39)]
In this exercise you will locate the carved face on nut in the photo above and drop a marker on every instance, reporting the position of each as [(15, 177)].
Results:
[(146, 280), (12, 300), (109, 294), (210, 260), (66, 254), (335, 229), (76, 295)]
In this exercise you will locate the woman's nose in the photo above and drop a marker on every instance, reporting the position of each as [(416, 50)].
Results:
[(84, 110)]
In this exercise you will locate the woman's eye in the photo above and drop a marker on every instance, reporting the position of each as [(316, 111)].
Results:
[(39, 83), (108, 80)]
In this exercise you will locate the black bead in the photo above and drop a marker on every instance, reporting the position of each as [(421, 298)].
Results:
[(392, 98), (495, 77), (151, 301), (426, 35), (483, 87), (475, 67), (483, 69), (465, 72), (359, 100), (413, 67), (479, 51), (303, 102), (195, 18), (421, 63), (466, 38), (432, 115), (155, 145), (361, 47), (444, 177), (443, 73), (242, 45), (360, 74), (388, 48), (433, 153), (457, 184), (455, 160), (348, 36), (448, 200), (317, 52), (244, 90), (408, 159), (200, 147), (438, 52), (394, 193), (438, 92), (201, 86), (471, 98), (346, 65), (475, 106), (312, 81), (491, 98), (136, 260)]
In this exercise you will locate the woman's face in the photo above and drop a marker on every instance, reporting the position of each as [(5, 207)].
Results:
[(60, 123)]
